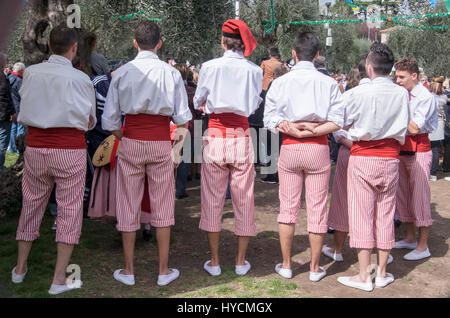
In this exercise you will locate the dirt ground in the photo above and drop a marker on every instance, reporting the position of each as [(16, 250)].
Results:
[(425, 278)]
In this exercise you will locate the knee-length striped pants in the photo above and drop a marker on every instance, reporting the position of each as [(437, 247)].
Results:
[(311, 163), (136, 161), (43, 168), (413, 194), (338, 213), (228, 160), (372, 185)]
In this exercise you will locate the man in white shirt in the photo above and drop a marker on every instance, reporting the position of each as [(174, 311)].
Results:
[(229, 90), (414, 196), (151, 93), (376, 117), (304, 95), (58, 106), (338, 213)]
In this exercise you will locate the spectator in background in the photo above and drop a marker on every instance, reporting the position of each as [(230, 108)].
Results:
[(269, 66), (15, 80), (99, 63), (446, 163), (183, 169), (171, 60), (7, 111), (319, 64), (353, 79), (424, 80), (438, 135), (6, 70), (272, 178)]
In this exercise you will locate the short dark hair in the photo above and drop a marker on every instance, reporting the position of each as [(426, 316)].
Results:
[(62, 38), (362, 66), (147, 35), (408, 64), (381, 58), (234, 44), (306, 45)]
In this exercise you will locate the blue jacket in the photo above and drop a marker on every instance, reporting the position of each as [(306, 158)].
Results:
[(16, 83)]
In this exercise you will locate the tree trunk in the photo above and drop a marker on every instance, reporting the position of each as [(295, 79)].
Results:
[(41, 15)]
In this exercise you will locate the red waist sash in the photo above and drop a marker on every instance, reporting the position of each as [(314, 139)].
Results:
[(289, 140), (385, 148), (227, 125), (418, 143), (147, 127), (56, 138)]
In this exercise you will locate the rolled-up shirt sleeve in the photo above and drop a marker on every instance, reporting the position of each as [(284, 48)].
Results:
[(426, 115), (182, 113), (336, 110), (112, 115), (272, 115)]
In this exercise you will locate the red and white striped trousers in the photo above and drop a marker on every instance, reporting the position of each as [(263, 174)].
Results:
[(338, 213), (372, 184), (228, 159), (43, 168), (136, 161), (311, 163), (414, 194)]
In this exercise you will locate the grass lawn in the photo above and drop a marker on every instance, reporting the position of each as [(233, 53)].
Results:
[(11, 159), (100, 253)]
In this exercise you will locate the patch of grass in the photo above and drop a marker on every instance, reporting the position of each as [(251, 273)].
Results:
[(11, 159), (407, 278), (100, 253)]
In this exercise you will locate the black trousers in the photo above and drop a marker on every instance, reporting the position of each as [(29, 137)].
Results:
[(446, 164)]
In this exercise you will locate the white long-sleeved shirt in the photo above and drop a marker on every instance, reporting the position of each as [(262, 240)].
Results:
[(377, 110), (423, 109), (56, 95), (229, 84), (146, 85), (343, 133), (303, 94)]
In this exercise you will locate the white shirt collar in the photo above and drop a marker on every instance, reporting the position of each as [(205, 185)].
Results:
[(59, 59), (382, 79), (304, 65), (147, 55), (415, 91), (231, 54), (364, 81)]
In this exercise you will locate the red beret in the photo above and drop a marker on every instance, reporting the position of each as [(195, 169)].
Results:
[(238, 29)]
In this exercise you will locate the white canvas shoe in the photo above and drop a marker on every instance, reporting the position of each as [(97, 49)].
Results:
[(59, 289), (284, 272), (125, 279), (315, 277), (390, 259), (212, 270), (345, 280), (164, 280), (381, 282), (241, 270), (333, 255), (403, 244), (416, 255), (16, 278)]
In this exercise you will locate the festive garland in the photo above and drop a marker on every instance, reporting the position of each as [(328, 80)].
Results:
[(134, 15), (269, 26)]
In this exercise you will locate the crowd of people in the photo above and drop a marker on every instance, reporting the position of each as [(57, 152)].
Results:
[(132, 129)]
